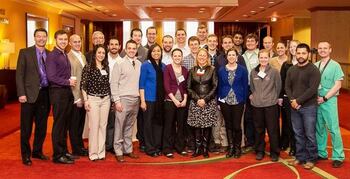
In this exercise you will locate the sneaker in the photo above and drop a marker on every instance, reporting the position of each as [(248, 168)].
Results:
[(337, 164)]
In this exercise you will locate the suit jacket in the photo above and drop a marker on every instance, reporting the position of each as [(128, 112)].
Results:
[(76, 70), (88, 56), (27, 74)]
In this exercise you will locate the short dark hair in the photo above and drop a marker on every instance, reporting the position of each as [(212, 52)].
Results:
[(177, 49), (237, 32), (232, 49), (113, 38), (151, 27), (193, 38), (60, 32), (40, 30), (130, 42), (304, 45), (226, 37), (252, 36), (167, 36), (149, 53), (135, 30), (180, 29)]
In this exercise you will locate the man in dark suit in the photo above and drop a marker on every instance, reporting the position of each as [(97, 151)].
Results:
[(33, 94)]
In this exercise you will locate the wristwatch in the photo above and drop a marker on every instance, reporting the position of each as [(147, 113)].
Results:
[(324, 98)]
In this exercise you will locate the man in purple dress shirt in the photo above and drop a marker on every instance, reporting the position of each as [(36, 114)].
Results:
[(59, 75), (33, 94)]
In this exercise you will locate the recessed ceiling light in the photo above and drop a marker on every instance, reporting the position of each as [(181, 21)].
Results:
[(271, 2), (252, 12), (90, 2), (158, 8), (245, 15), (99, 7), (114, 15), (106, 10), (159, 11), (202, 9), (237, 20), (261, 7), (273, 19)]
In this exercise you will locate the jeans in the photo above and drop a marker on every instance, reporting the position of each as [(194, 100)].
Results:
[(304, 126)]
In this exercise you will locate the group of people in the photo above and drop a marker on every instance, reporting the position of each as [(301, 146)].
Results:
[(184, 97)]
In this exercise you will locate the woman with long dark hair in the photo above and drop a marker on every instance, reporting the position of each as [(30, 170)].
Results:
[(152, 100), (96, 92), (232, 95)]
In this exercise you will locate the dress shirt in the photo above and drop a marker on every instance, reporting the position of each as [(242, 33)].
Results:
[(41, 57), (78, 54), (167, 58), (185, 50), (188, 61), (58, 68), (251, 60), (112, 61)]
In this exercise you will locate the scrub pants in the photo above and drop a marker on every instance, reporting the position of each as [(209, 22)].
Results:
[(327, 118)]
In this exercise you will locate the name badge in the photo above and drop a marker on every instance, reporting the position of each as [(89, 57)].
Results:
[(103, 72), (181, 78), (200, 72), (262, 74)]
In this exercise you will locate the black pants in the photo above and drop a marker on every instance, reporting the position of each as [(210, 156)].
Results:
[(76, 128), (37, 112), (174, 128), (152, 129), (233, 117), (110, 128), (287, 133), (189, 131), (140, 125), (249, 128), (62, 105), (202, 137), (266, 118)]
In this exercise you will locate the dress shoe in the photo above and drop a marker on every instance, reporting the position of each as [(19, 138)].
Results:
[(84, 150), (71, 157), (291, 153), (321, 158), (337, 164), (294, 163), (131, 155), (247, 149), (111, 151), (183, 153), (40, 156), (63, 160), (120, 158), (274, 158), (169, 155), (142, 148), (155, 154), (81, 153), (27, 161), (259, 156)]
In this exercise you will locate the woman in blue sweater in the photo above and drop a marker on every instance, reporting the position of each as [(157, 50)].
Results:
[(232, 95), (152, 98)]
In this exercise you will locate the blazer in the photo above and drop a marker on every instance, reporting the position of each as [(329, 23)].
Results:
[(27, 74), (239, 86), (170, 81), (76, 70)]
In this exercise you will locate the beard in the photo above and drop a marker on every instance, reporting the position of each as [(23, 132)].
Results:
[(167, 50), (301, 60)]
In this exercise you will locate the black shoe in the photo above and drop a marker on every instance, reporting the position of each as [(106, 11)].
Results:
[(321, 158), (237, 154), (274, 158), (169, 155), (247, 149), (111, 151), (81, 153), (154, 154), (63, 160), (71, 157), (142, 148), (291, 153), (40, 156), (84, 150), (337, 164), (27, 161), (259, 156)]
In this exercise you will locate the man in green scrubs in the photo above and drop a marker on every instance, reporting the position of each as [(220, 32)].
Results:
[(327, 113)]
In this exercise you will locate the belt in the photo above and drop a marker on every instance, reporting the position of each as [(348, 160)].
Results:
[(99, 95)]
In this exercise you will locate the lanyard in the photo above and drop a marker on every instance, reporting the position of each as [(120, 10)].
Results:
[(324, 68)]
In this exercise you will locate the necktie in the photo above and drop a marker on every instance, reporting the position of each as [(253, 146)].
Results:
[(133, 63)]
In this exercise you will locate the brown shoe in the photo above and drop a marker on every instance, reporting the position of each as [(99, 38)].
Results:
[(131, 155), (294, 162), (308, 165), (120, 158)]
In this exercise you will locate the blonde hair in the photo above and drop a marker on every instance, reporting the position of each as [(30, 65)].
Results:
[(208, 57), (264, 51)]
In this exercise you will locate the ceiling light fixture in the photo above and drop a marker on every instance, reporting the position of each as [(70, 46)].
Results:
[(261, 7), (253, 12), (202, 9), (273, 19), (114, 15), (245, 15), (237, 20), (271, 2), (90, 2)]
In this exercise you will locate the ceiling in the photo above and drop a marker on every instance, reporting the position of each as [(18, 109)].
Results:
[(216, 10)]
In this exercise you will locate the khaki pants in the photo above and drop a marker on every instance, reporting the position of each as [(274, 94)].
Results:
[(97, 118), (124, 122)]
